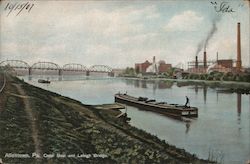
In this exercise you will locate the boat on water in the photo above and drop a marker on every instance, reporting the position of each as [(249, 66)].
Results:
[(143, 103), (43, 81), (124, 117)]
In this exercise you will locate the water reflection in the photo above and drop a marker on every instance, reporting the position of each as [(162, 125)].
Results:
[(239, 109), (217, 97), (136, 83), (196, 89), (205, 93), (143, 84), (187, 127), (139, 83), (165, 84), (239, 104)]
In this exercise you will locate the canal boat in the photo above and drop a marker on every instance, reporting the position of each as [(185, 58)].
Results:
[(143, 103)]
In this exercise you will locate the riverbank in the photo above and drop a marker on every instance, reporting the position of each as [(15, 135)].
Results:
[(63, 130)]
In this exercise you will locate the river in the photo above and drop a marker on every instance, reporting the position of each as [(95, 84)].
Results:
[(221, 132)]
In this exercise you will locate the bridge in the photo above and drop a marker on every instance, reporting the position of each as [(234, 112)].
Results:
[(50, 66)]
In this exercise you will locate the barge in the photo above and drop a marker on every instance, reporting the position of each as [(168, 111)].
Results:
[(143, 103)]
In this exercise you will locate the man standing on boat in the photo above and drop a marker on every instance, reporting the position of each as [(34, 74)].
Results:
[(187, 102)]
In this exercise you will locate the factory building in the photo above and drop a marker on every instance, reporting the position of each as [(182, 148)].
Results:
[(154, 67), (163, 67), (227, 63), (222, 65), (142, 67)]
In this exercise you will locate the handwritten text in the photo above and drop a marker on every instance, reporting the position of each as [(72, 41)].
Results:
[(223, 7), (18, 7)]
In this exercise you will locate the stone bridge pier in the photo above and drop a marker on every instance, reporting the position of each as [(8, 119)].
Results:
[(87, 73), (60, 71), (30, 69), (111, 74)]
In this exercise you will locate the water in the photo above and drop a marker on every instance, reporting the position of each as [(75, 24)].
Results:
[(222, 130)]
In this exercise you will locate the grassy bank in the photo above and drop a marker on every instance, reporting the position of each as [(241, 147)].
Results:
[(14, 125), (68, 127)]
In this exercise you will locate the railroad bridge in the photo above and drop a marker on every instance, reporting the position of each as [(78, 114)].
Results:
[(50, 66)]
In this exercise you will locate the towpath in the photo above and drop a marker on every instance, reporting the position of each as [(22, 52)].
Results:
[(32, 119)]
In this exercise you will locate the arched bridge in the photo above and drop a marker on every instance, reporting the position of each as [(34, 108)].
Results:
[(45, 66), (18, 64), (73, 67), (100, 68)]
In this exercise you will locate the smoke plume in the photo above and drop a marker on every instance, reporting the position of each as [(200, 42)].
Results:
[(199, 48), (204, 43)]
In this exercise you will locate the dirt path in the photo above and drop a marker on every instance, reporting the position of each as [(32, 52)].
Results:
[(32, 119), (1, 91)]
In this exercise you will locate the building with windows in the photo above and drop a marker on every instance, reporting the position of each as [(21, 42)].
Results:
[(154, 67)]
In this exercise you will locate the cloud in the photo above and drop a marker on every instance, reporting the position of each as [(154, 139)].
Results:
[(113, 33), (138, 39), (186, 21), (108, 23), (33, 52), (88, 31), (101, 50), (147, 12)]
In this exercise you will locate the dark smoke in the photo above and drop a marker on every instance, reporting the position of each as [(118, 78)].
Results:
[(199, 48), (212, 31)]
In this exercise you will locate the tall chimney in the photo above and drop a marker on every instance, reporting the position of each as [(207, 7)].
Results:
[(196, 61), (205, 59), (238, 62)]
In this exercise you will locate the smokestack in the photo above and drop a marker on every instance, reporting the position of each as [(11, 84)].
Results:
[(205, 59), (238, 62), (196, 61), (154, 59)]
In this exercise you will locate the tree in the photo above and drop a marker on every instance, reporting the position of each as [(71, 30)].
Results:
[(137, 70), (129, 71)]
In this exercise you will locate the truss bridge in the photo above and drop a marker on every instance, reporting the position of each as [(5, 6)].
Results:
[(60, 70)]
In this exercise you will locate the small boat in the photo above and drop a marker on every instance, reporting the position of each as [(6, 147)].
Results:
[(124, 117), (43, 81), (143, 103)]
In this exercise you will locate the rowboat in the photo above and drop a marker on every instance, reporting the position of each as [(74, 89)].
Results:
[(43, 81)]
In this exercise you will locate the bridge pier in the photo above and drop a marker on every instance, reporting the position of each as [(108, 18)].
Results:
[(111, 74), (60, 72), (87, 73), (30, 69)]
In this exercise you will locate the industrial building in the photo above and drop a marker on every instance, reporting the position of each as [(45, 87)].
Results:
[(222, 65), (154, 67)]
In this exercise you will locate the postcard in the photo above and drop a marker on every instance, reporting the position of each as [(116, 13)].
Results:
[(117, 81)]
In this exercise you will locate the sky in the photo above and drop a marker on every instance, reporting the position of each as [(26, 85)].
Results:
[(122, 33)]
